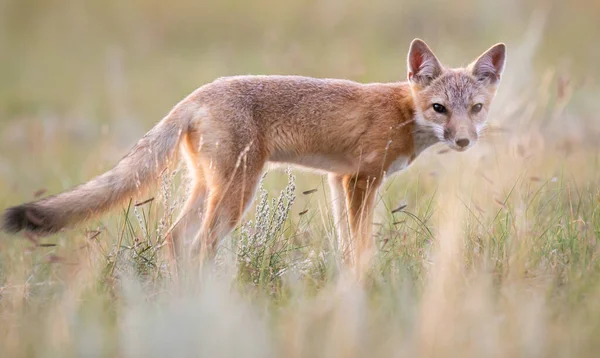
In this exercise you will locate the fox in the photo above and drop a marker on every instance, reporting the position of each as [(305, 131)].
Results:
[(228, 130)]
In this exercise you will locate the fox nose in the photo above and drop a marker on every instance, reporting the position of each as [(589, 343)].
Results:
[(463, 142)]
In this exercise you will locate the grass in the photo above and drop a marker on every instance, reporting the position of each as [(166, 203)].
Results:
[(472, 265), (493, 252)]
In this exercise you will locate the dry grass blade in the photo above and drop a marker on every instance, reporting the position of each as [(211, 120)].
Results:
[(39, 193), (143, 202), (485, 177), (46, 245), (399, 208), (91, 235), (500, 202)]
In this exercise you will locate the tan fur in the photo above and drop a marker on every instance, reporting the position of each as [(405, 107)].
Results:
[(229, 129)]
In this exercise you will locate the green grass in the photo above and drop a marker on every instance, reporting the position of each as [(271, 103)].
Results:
[(510, 269), (496, 252)]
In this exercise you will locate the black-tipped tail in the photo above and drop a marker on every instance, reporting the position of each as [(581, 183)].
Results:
[(29, 217), (134, 173)]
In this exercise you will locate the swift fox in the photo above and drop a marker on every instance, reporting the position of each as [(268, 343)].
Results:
[(229, 129)]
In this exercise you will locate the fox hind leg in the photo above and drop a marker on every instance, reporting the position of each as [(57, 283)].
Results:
[(188, 222), (231, 190)]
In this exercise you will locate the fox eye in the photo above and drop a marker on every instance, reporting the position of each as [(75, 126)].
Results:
[(477, 108), (439, 108)]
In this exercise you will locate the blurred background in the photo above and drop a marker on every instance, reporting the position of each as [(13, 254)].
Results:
[(497, 252)]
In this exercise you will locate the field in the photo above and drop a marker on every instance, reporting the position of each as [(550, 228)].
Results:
[(493, 253)]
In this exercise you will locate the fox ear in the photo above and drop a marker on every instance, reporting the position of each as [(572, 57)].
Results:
[(423, 66), (489, 66)]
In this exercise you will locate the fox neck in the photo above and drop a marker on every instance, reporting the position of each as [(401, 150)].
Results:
[(424, 134)]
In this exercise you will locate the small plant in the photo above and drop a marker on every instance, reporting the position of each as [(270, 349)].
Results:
[(263, 249), (138, 246)]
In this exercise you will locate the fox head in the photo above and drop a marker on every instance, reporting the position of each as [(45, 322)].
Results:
[(453, 102)]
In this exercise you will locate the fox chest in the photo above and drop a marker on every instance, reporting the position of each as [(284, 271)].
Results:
[(398, 164)]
